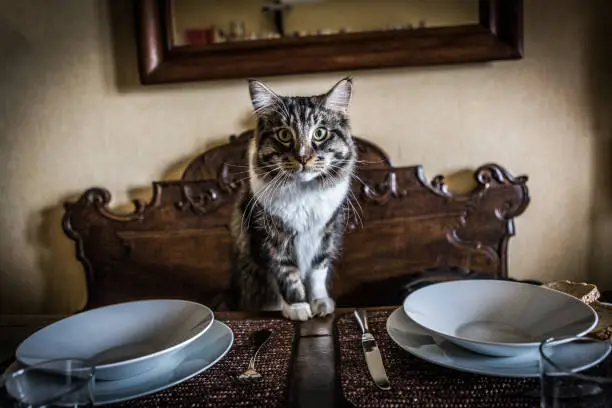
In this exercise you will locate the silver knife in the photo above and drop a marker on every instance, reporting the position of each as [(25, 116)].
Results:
[(372, 353)]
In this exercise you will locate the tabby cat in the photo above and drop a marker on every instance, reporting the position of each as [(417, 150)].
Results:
[(288, 221)]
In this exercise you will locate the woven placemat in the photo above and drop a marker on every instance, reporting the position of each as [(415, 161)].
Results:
[(415, 382), (218, 387)]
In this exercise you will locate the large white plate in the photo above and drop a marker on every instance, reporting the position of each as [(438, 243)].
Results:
[(123, 340), (497, 317), (437, 350), (190, 361)]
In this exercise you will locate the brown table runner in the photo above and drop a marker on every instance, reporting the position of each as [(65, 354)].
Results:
[(415, 382), (218, 386)]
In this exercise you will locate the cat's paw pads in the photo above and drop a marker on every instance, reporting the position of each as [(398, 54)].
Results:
[(297, 311), (322, 306)]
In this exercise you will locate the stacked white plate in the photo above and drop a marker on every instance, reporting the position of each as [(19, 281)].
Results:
[(489, 326), (137, 347)]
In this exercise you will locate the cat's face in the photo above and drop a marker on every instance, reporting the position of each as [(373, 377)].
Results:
[(302, 139)]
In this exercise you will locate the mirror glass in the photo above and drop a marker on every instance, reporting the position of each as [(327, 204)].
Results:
[(205, 22)]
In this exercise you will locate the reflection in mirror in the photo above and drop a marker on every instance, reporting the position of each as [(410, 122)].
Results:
[(205, 22)]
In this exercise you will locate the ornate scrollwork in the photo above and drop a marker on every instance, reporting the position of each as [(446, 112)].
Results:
[(381, 193), (100, 198), (472, 246), (202, 198), (96, 196), (77, 215), (490, 174), (504, 207), (226, 179), (197, 199), (438, 184)]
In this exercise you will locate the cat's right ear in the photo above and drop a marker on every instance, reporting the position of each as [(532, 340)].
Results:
[(262, 97)]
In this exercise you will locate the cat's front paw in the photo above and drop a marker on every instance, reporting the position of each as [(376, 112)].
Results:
[(297, 311), (322, 306)]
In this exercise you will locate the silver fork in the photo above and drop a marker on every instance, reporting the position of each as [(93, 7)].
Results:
[(251, 375)]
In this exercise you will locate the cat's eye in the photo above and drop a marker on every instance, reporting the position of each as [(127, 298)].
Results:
[(283, 136), (319, 134)]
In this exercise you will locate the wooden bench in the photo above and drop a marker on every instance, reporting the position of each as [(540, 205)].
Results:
[(403, 229)]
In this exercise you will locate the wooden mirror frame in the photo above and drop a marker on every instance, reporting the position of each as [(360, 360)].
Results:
[(498, 36)]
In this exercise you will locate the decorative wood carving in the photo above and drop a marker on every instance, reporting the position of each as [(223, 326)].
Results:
[(400, 225)]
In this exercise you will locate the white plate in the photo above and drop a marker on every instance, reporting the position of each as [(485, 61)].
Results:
[(124, 339), (437, 350), (191, 360), (498, 318)]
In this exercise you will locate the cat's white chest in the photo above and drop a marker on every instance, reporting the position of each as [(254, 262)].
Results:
[(307, 210), (306, 213)]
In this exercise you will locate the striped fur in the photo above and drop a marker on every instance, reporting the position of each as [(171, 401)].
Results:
[(287, 224)]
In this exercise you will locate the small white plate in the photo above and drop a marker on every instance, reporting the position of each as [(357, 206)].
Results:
[(437, 350), (190, 361), (123, 340)]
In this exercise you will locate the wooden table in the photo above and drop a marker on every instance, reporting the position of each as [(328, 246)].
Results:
[(313, 381)]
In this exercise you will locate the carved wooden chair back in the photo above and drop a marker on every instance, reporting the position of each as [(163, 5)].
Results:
[(178, 244)]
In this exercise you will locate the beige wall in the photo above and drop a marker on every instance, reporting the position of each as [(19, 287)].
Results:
[(72, 115)]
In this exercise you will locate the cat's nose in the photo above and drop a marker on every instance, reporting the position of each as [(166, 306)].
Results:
[(303, 159)]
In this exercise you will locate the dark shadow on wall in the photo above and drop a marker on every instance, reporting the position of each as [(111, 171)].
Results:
[(64, 279), (599, 77), (11, 40), (15, 69), (118, 24), (121, 17)]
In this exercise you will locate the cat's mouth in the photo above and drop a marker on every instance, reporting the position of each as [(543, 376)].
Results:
[(305, 175), (302, 173)]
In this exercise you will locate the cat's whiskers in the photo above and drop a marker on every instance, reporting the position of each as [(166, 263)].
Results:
[(252, 203), (264, 167), (254, 199), (357, 214), (260, 175), (333, 173), (331, 178), (244, 166), (352, 174), (274, 167), (356, 178), (249, 171), (268, 196), (361, 161), (265, 198)]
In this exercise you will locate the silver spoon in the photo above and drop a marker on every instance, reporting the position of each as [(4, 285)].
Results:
[(260, 338)]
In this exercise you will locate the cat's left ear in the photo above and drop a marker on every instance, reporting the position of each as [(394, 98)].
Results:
[(262, 97), (339, 97)]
